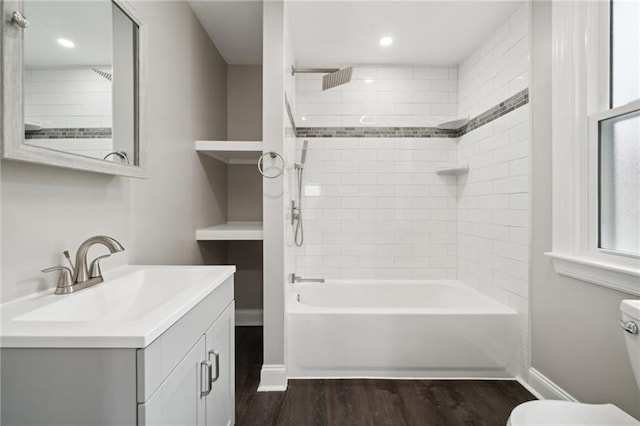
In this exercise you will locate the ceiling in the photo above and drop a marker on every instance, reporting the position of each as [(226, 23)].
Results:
[(235, 28), (87, 24), (424, 32), (328, 33)]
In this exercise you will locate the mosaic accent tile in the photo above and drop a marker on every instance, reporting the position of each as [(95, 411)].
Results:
[(374, 132), (69, 133), (505, 107)]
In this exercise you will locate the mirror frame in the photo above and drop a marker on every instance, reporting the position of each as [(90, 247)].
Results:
[(12, 90)]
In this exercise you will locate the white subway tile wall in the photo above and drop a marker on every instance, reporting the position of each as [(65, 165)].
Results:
[(493, 199), (382, 211), (493, 213), (498, 68), (379, 96), (67, 98)]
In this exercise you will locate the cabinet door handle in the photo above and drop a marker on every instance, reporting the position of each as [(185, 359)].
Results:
[(206, 370), (216, 355)]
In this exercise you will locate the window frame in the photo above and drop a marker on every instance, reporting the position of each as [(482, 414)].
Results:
[(594, 224), (581, 60)]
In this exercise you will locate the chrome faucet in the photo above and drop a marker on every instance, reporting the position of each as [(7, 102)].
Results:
[(80, 276)]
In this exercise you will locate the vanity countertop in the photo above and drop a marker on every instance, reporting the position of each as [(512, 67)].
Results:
[(132, 307)]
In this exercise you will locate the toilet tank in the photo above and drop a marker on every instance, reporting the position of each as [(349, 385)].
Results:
[(631, 312)]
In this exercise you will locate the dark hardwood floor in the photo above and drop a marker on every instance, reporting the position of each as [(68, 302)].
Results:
[(367, 402)]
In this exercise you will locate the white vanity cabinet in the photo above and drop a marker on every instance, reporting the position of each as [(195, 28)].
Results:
[(200, 389), (183, 377), (178, 401), (220, 337)]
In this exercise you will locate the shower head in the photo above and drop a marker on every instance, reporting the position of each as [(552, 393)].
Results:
[(337, 78), (102, 73), (333, 76)]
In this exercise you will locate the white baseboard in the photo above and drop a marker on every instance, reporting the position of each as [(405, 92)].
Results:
[(248, 317), (543, 388), (273, 378)]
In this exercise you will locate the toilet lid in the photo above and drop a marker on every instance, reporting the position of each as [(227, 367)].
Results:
[(568, 413)]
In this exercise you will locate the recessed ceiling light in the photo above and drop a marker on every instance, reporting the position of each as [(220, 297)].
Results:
[(386, 41), (368, 80), (66, 43)]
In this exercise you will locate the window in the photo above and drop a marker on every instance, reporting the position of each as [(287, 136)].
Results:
[(618, 136), (619, 181), (596, 142), (625, 52)]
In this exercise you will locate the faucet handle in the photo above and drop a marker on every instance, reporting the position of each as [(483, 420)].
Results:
[(64, 279), (94, 269)]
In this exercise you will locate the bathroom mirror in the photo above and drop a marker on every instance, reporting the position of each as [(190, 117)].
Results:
[(72, 89)]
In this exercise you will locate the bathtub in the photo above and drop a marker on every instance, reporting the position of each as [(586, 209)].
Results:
[(398, 329)]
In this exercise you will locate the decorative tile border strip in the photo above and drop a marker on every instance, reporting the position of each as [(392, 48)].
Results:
[(516, 101), (70, 133), (375, 132)]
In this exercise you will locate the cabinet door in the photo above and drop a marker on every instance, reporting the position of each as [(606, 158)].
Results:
[(178, 401), (221, 353)]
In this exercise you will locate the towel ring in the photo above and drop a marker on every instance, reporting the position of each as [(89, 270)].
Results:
[(271, 154)]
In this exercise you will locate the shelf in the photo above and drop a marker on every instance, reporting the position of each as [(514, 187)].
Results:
[(231, 231), (231, 152), (455, 171), (454, 124)]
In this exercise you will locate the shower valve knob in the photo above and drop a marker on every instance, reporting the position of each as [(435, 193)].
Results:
[(295, 212)]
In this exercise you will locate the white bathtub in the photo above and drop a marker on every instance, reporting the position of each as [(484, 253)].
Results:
[(398, 329)]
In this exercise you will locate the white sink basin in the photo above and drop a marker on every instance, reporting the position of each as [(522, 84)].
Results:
[(124, 298), (131, 308)]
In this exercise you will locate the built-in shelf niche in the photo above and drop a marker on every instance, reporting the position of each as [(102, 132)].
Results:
[(454, 171), (231, 152), (240, 239), (232, 231)]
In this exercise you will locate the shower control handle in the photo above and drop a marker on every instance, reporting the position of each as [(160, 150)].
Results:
[(295, 212)]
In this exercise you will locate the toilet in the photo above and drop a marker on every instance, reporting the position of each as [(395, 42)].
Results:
[(574, 413)]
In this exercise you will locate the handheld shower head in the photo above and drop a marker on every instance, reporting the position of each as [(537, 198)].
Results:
[(296, 205), (303, 157)]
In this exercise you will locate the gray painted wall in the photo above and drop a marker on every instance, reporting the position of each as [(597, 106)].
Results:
[(245, 204), (247, 256), (186, 101), (244, 186), (576, 341), (244, 102), (46, 210)]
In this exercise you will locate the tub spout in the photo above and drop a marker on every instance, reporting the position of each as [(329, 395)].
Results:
[(293, 278)]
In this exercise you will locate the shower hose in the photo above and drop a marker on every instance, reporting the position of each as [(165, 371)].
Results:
[(298, 237)]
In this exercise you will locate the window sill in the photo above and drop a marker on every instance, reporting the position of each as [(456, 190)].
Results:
[(597, 272)]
